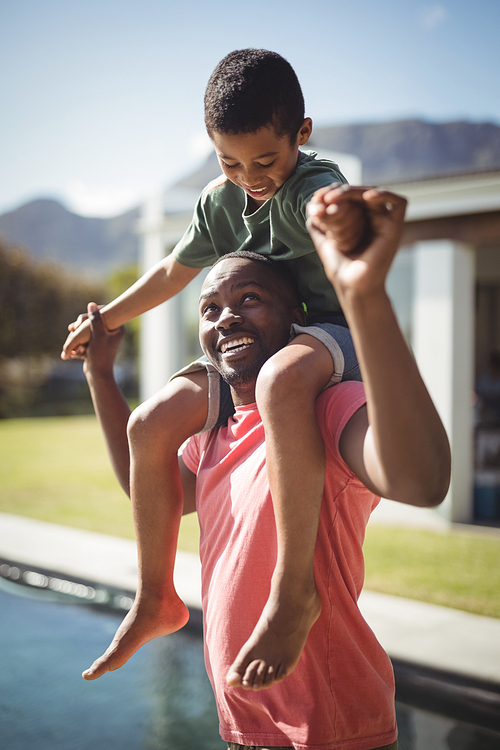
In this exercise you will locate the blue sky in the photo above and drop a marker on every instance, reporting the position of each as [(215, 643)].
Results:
[(101, 101)]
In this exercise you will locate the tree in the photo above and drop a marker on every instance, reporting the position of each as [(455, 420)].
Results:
[(37, 301)]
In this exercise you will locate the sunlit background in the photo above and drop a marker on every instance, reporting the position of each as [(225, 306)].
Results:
[(101, 122), (102, 100)]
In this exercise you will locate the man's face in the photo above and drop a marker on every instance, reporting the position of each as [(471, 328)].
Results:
[(245, 317), (259, 162)]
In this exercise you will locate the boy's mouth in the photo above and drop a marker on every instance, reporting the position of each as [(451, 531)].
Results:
[(257, 193)]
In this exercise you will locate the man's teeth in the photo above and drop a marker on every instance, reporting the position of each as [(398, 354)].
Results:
[(236, 344)]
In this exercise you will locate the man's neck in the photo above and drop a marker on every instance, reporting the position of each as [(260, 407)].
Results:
[(243, 395)]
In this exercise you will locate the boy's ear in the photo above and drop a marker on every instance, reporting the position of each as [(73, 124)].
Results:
[(305, 131)]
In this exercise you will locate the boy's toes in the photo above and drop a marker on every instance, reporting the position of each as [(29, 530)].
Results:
[(97, 669), (108, 662), (263, 677)]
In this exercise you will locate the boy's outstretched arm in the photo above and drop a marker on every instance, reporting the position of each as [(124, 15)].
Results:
[(397, 446), (160, 283)]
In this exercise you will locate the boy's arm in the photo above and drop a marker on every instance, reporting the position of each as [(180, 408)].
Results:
[(160, 283), (397, 446)]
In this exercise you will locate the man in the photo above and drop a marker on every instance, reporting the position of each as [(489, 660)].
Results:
[(381, 439)]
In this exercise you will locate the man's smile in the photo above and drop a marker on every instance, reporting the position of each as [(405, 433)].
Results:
[(236, 345)]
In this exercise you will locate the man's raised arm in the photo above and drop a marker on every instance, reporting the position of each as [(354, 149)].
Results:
[(397, 446), (110, 405), (112, 409)]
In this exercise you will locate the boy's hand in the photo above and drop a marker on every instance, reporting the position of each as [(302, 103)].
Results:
[(99, 355), (363, 270), (78, 338)]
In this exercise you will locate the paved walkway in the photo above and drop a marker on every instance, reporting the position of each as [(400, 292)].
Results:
[(413, 631)]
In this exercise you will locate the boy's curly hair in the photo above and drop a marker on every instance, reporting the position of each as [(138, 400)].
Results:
[(251, 89)]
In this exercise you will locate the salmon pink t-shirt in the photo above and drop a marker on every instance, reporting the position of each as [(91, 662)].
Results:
[(341, 694)]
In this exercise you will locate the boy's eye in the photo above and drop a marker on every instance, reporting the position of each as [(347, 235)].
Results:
[(229, 166), (265, 166)]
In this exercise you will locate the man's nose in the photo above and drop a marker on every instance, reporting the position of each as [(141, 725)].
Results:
[(228, 318)]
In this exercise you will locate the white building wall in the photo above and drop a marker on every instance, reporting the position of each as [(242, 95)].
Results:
[(443, 343), (162, 333)]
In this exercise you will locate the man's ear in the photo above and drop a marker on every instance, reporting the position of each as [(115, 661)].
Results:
[(299, 316)]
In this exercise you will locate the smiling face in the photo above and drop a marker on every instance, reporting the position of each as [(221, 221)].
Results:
[(259, 162), (245, 316)]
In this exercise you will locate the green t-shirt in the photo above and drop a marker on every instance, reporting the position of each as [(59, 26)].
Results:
[(222, 224)]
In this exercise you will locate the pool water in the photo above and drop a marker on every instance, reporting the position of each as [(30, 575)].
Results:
[(160, 700)]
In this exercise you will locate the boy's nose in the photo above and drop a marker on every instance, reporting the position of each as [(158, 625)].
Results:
[(250, 177)]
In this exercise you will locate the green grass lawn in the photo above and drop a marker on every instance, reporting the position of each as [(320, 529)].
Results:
[(56, 469)]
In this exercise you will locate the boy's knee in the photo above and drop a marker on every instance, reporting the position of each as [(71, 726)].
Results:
[(139, 423), (150, 426), (278, 380)]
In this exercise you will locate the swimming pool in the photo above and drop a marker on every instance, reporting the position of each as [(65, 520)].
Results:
[(160, 700)]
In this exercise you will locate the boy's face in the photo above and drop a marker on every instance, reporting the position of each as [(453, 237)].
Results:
[(259, 162)]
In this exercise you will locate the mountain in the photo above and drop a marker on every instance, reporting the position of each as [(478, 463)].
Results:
[(390, 152), (94, 245), (414, 149)]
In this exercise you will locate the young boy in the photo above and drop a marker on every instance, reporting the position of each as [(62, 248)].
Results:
[(254, 113)]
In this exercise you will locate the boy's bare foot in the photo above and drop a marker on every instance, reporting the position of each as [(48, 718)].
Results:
[(144, 622), (277, 641)]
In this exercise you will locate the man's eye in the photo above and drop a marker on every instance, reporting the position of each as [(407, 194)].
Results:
[(250, 296), (209, 308)]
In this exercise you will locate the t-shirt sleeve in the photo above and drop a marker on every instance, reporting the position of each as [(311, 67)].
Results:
[(336, 406), (310, 176), (195, 249), (191, 454)]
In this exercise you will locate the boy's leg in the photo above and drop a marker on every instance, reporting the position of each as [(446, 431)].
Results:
[(156, 431), (287, 388)]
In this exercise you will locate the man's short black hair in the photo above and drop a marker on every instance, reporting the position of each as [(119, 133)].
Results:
[(276, 267), (251, 89)]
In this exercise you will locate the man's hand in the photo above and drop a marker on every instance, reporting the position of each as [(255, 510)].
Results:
[(100, 353), (332, 211)]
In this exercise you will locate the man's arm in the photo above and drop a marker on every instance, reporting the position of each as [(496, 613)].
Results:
[(160, 283), (111, 407), (397, 446)]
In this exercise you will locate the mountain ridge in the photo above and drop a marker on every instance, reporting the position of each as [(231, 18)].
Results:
[(391, 152)]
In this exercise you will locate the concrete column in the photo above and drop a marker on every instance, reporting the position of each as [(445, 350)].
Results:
[(443, 343), (162, 335)]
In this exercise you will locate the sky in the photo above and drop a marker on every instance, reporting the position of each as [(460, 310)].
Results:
[(101, 101)]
